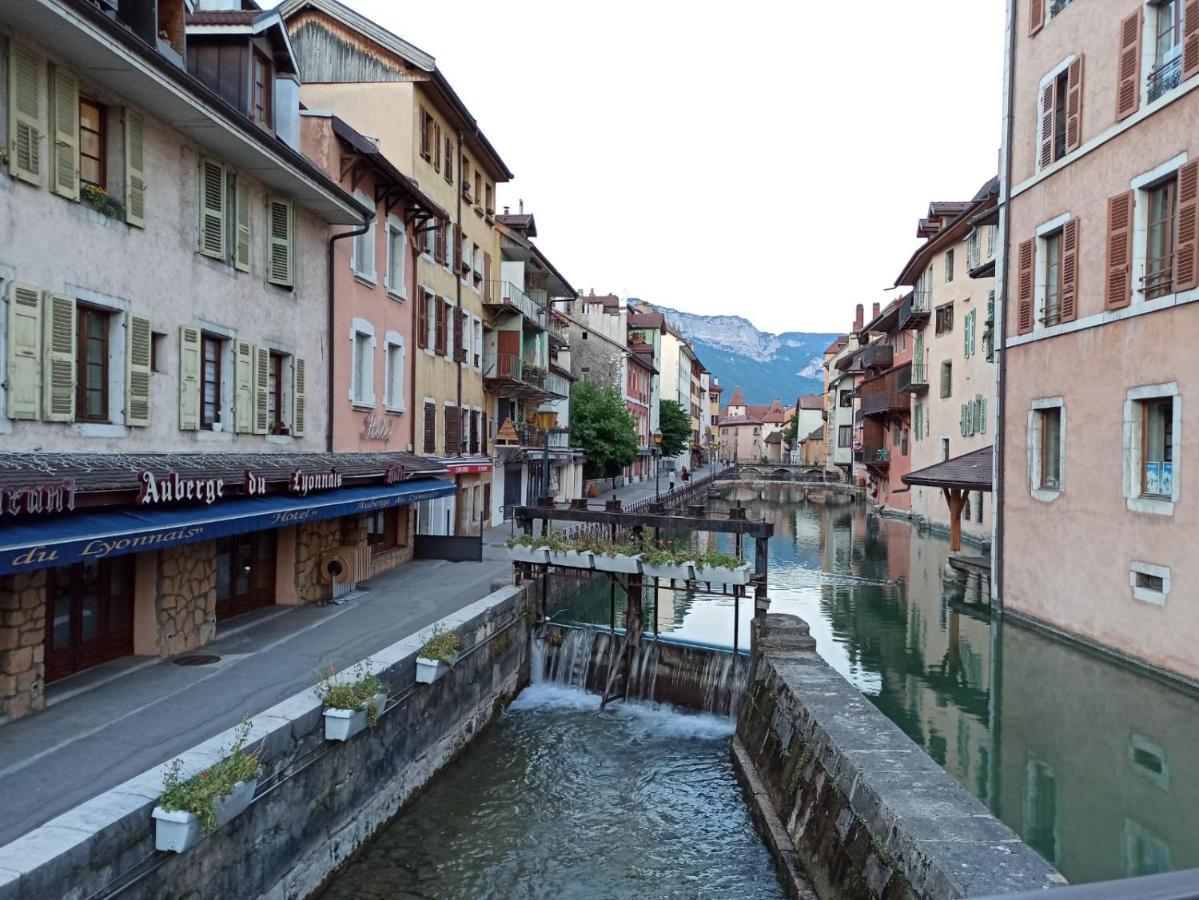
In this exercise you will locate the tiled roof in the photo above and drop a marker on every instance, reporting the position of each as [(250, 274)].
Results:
[(223, 17), (811, 401), (647, 320), (971, 471), (738, 397), (775, 437)]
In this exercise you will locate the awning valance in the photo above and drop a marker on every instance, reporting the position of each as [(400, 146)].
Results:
[(95, 535)]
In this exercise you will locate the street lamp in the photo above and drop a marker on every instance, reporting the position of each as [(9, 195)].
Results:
[(657, 462)]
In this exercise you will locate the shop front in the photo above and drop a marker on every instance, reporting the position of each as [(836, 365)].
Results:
[(108, 557)]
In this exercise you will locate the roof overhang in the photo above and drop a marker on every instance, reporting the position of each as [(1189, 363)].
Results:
[(968, 472), (104, 52)]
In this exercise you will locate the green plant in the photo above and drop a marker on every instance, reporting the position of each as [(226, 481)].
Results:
[(675, 425), (602, 426), (441, 645), (197, 794), (357, 691), (102, 201)]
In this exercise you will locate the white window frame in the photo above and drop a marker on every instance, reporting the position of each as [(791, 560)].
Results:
[(1145, 595), (1050, 76), (1141, 185), (396, 354), (118, 310), (363, 328), (395, 226), (1043, 494), (362, 242), (477, 361), (1137, 502), (1040, 263), (467, 258)]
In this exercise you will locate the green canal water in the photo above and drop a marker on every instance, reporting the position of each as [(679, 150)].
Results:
[(1092, 763)]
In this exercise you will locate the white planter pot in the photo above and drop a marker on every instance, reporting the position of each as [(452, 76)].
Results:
[(177, 831), (630, 565), (429, 670), (678, 571), (724, 575), (380, 701), (538, 555), (571, 560), (343, 724)]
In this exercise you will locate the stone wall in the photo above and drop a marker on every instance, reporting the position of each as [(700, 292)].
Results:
[(185, 606), (22, 643), (313, 540), (849, 798), (316, 802)]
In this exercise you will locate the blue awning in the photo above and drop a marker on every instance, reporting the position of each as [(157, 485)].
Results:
[(96, 535)]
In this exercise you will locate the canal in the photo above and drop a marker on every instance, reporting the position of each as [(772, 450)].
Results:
[(1092, 763)]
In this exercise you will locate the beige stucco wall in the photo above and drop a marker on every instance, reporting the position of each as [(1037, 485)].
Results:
[(58, 245)]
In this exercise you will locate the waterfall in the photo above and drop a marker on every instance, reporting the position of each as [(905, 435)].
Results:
[(697, 678)]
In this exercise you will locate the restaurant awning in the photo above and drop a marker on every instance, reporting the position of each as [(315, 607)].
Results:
[(96, 535)]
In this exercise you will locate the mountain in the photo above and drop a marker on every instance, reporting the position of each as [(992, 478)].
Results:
[(765, 365)]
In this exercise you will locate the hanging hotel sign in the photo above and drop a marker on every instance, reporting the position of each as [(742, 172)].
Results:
[(173, 487), (301, 482), (393, 474), (254, 485), (46, 497), (375, 428)]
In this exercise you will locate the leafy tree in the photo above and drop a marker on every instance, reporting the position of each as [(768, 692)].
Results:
[(791, 430), (602, 426), (675, 424)]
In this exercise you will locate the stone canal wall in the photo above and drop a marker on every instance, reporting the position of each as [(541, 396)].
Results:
[(316, 803), (850, 800)]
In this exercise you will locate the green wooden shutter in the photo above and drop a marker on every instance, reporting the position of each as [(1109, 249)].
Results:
[(24, 375), (212, 209), (297, 394), (24, 115), (135, 168), (262, 386), (241, 252), (243, 387), (137, 371), (58, 342), (280, 242), (189, 378), (982, 414), (64, 169), (962, 422)]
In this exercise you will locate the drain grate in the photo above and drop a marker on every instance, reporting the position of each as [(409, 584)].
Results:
[(197, 659)]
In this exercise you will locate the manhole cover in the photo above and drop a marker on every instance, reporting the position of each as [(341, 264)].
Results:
[(197, 659)]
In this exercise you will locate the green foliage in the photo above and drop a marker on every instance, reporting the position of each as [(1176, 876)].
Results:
[(667, 552), (602, 426), (197, 794), (102, 201), (353, 692), (675, 424), (441, 646), (791, 430)]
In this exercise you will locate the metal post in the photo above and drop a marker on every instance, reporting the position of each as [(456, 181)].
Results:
[(612, 608), (761, 555)]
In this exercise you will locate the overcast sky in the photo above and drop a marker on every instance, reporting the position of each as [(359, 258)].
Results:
[(768, 159)]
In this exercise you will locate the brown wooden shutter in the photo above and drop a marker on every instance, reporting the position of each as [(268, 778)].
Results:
[(483, 432), (459, 335), (1186, 252), (439, 237), (1074, 105), (436, 147), (1036, 16), (1047, 99), (1024, 284), (430, 444), (453, 428), (1119, 250), (487, 269), (439, 325), (1068, 308), (449, 160), (474, 431), (1128, 91), (422, 318), (424, 134), (1190, 39)]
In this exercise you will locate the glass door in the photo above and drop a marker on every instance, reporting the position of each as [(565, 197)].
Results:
[(245, 573), (89, 616)]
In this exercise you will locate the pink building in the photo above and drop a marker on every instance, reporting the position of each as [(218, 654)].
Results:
[(884, 408), (638, 397)]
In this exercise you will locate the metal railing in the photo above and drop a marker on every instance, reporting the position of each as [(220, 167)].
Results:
[(915, 377), (1158, 278), (1165, 78), (1057, 6), (505, 293), (506, 365)]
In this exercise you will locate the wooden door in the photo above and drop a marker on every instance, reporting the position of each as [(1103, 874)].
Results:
[(89, 615), (245, 573)]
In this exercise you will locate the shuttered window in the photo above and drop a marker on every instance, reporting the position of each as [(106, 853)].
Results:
[(262, 387), (1190, 39), (242, 236), (441, 306), (189, 378), (1069, 293), (243, 387), (298, 398), (64, 120), (135, 168), (1128, 90), (24, 115), (1074, 105), (946, 379), (213, 195), (1036, 16), (1061, 114), (1186, 253), (23, 374), (1024, 286), (1119, 250), (210, 379), (430, 427), (69, 341), (280, 242), (452, 430), (449, 160), (138, 366)]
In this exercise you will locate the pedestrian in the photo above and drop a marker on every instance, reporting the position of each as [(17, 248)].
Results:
[(672, 480), (686, 475)]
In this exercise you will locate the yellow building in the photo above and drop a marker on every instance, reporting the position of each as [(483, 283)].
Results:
[(386, 88)]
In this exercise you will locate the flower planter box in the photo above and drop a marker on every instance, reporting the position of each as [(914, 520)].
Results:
[(343, 724), (630, 565), (538, 555), (429, 670), (675, 571), (724, 575), (572, 559), (177, 831)]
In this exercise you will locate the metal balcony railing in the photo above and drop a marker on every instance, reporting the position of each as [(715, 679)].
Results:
[(1165, 78), (505, 293), (1158, 279), (1057, 6), (915, 309), (506, 365), (532, 436)]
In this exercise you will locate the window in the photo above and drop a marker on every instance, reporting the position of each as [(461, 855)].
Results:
[(1150, 583), (944, 319), (1059, 116), (397, 249), (467, 257), (478, 185), (426, 135), (476, 265), (264, 85), (949, 265), (488, 202), (93, 156), (382, 531), (449, 157), (946, 379), (210, 380), (429, 238), (393, 387), (1157, 458), (1053, 278), (1167, 48), (281, 226), (1050, 432), (944, 449), (158, 349), (429, 444), (846, 399), (1159, 255), (274, 395), (91, 375), (478, 343), (844, 435), (362, 389), (362, 256), (465, 179)]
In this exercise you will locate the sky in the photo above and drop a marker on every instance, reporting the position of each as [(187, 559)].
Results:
[(768, 159)]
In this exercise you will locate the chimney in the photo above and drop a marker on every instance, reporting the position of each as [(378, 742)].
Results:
[(857, 322), (876, 309), (522, 206), (505, 210)]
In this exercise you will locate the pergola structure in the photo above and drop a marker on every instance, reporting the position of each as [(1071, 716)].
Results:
[(956, 478)]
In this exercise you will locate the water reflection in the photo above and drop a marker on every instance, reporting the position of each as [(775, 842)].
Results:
[(1092, 763)]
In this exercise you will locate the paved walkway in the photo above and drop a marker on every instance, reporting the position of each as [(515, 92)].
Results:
[(116, 721)]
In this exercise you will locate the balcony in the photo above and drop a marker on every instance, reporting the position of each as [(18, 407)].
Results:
[(915, 310), (873, 455), (558, 330), (914, 379), (532, 436), (877, 355), (507, 296), (507, 375), (884, 395), (1165, 78)]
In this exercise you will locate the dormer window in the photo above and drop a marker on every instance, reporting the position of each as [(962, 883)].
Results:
[(264, 84)]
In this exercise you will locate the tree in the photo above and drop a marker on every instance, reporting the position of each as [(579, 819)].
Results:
[(675, 425), (602, 426), (791, 430)]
